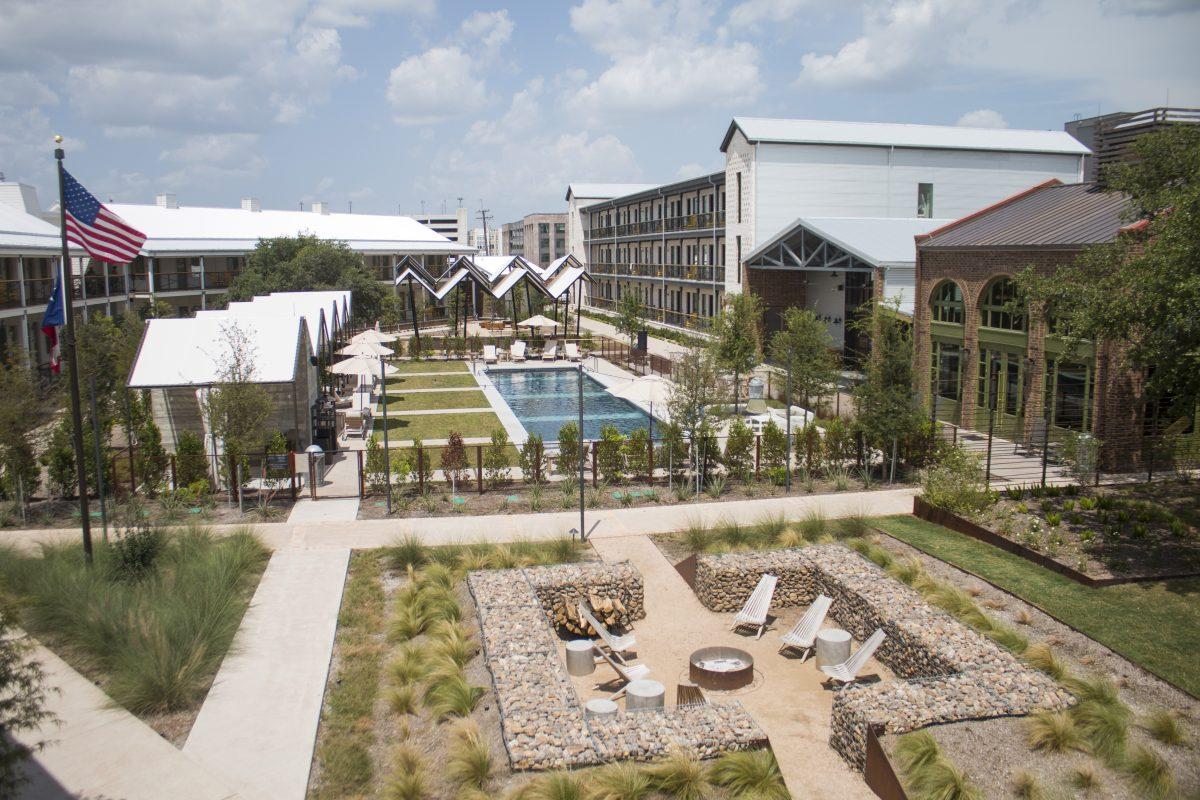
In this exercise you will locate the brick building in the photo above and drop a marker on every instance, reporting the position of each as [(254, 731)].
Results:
[(977, 348)]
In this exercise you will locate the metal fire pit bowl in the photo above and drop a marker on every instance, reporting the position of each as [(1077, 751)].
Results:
[(721, 668)]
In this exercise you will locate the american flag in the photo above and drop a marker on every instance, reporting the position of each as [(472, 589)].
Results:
[(104, 235)]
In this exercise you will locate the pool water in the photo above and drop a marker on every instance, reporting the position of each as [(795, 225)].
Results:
[(546, 399)]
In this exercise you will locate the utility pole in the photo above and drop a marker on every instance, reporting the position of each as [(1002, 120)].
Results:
[(484, 216)]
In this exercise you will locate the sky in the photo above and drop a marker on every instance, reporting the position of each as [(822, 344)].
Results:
[(385, 105)]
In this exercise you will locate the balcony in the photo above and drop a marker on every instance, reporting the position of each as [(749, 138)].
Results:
[(180, 281), (687, 222), (675, 272), (678, 319)]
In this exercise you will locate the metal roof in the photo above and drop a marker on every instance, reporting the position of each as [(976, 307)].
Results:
[(687, 184), (1049, 215), (191, 351), (604, 191), (22, 231), (891, 134), (190, 229), (876, 240)]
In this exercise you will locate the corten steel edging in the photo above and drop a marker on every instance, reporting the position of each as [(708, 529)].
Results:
[(721, 680), (878, 772), (948, 519)]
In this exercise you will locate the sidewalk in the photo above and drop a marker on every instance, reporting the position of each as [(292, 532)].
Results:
[(258, 725), (101, 751)]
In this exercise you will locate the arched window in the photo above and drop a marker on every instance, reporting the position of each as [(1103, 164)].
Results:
[(947, 303), (999, 307)]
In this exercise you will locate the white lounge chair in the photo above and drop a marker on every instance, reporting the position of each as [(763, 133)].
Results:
[(517, 351), (489, 354), (550, 352), (573, 353), (754, 612), (803, 634), (355, 424), (847, 671), (615, 644), (626, 674)]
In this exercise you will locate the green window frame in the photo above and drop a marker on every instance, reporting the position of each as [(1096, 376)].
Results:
[(1069, 391), (999, 307), (947, 303)]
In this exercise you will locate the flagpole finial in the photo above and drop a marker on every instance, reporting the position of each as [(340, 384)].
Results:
[(58, 138)]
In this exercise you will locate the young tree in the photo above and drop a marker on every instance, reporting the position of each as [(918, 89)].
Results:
[(23, 705), (631, 316), (693, 391), (495, 459), (454, 461), (191, 465), (886, 407), (737, 342), (568, 449), (237, 408), (803, 348), (19, 414), (1143, 287), (739, 450), (533, 460)]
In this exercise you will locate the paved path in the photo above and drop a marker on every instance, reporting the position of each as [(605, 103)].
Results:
[(258, 724), (503, 528), (657, 346), (787, 698), (101, 751)]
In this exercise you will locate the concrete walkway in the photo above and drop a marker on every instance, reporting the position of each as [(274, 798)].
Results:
[(101, 751), (787, 698), (657, 346), (258, 724)]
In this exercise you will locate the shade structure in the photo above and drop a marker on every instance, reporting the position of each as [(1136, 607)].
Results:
[(646, 389), (372, 335), (369, 349), (362, 365), (538, 321)]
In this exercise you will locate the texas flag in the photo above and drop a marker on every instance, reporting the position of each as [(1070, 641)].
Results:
[(53, 318)]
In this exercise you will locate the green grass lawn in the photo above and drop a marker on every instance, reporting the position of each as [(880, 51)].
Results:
[(409, 367), (447, 381), (398, 403), (1155, 624), (436, 426)]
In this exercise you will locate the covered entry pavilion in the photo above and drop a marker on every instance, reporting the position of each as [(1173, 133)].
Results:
[(834, 266)]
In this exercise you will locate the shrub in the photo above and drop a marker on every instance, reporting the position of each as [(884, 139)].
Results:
[(610, 456), (1163, 725), (619, 781), (917, 750), (133, 551), (637, 452), (773, 448), (739, 450), (568, 449), (421, 465), (945, 781), (752, 773), (532, 460), (191, 464), (1041, 656), (495, 459), (956, 483), (402, 699), (1054, 732), (376, 468), (681, 775), (408, 553), (1105, 728), (414, 347), (408, 667), (1085, 778), (408, 780), (470, 762), (1026, 786), (454, 461)]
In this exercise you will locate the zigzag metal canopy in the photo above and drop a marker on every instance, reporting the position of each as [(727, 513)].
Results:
[(496, 275)]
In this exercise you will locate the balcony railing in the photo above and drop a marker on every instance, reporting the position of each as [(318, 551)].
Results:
[(181, 281), (676, 272), (679, 319), (687, 222)]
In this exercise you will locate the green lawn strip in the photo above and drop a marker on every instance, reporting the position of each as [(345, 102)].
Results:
[(409, 367), (398, 383), (436, 426), (398, 403), (1155, 624), (346, 734)]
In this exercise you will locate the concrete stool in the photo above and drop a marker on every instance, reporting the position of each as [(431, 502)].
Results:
[(579, 657), (833, 647), (600, 707), (644, 694)]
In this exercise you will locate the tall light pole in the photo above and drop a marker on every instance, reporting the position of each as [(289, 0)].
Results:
[(387, 453), (582, 456)]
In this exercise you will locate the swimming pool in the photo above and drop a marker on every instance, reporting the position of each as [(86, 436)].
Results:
[(544, 400)]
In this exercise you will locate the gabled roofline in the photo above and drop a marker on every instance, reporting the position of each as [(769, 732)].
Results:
[(733, 125), (924, 237)]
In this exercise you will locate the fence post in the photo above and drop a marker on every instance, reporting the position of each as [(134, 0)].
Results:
[(312, 478), (1045, 448), (595, 464), (991, 427), (237, 476), (174, 478), (757, 454), (132, 471), (362, 480), (1150, 459), (479, 467), (291, 469), (650, 461), (537, 464), (421, 469)]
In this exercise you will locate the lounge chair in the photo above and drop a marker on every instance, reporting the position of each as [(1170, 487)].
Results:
[(489, 354), (573, 353), (803, 634), (847, 671), (550, 352), (355, 424), (626, 674), (516, 351), (754, 612), (615, 644)]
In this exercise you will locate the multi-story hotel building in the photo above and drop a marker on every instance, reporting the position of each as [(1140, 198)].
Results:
[(451, 224), (190, 256), (584, 194), (540, 238)]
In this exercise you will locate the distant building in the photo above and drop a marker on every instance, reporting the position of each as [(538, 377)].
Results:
[(494, 244), (1110, 136), (539, 238), (451, 224)]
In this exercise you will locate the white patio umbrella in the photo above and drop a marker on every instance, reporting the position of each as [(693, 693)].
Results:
[(362, 365), (372, 335), (649, 389), (365, 348)]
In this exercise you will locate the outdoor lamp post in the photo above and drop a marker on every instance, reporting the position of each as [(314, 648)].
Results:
[(387, 453), (582, 455)]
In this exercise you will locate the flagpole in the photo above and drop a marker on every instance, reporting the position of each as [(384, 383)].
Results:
[(72, 365)]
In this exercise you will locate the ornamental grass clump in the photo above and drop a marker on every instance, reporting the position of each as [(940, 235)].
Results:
[(1164, 725), (750, 773), (1148, 771), (620, 781), (927, 773), (558, 785), (450, 695), (470, 763), (1053, 732), (680, 775)]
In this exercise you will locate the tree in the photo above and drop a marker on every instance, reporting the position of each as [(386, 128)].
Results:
[(886, 408), (631, 316), (496, 460), (693, 391), (611, 454), (568, 449), (19, 409), (454, 460), (739, 450), (804, 349), (191, 464), (22, 702), (1143, 287), (532, 459), (237, 408), (151, 457), (737, 343), (59, 459), (305, 263)]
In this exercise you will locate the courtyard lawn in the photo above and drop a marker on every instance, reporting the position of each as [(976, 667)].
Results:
[(401, 402), (410, 367), (436, 426), (448, 381), (1155, 624)]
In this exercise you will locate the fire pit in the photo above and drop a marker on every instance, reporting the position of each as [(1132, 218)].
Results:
[(721, 668)]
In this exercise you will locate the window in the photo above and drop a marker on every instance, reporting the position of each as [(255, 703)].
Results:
[(739, 209), (925, 200), (1000, 308), (543, 227), (1068, 394), (946, 366), (739, 259), (948, 303)]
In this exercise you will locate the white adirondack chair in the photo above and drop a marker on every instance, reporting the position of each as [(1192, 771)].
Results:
[(615, 644), (847, 671), (516, 351), (803, 634), (489, 354), (754, 612), (626, 674)]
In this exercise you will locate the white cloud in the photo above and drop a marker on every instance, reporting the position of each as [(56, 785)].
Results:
[(25, 89), (982, 118), (754, 14), (434, 86), (664, 58), (492, 29), (358, 13), (523, 115), (213, 159), (689, 170), (1152, 8), (27, 146)]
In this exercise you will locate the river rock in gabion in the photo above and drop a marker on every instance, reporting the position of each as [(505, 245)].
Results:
[(707, 730), (957, 673), (614, 592)]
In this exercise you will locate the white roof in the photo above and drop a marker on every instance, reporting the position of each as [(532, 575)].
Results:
[(892, 134), (495, 266), (565, 280), (190, 229), (313, 307), (22, 231), (605, 191), (189, 352)]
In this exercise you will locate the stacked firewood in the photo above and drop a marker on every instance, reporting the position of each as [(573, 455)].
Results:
[(610, 612), (612, 592)]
